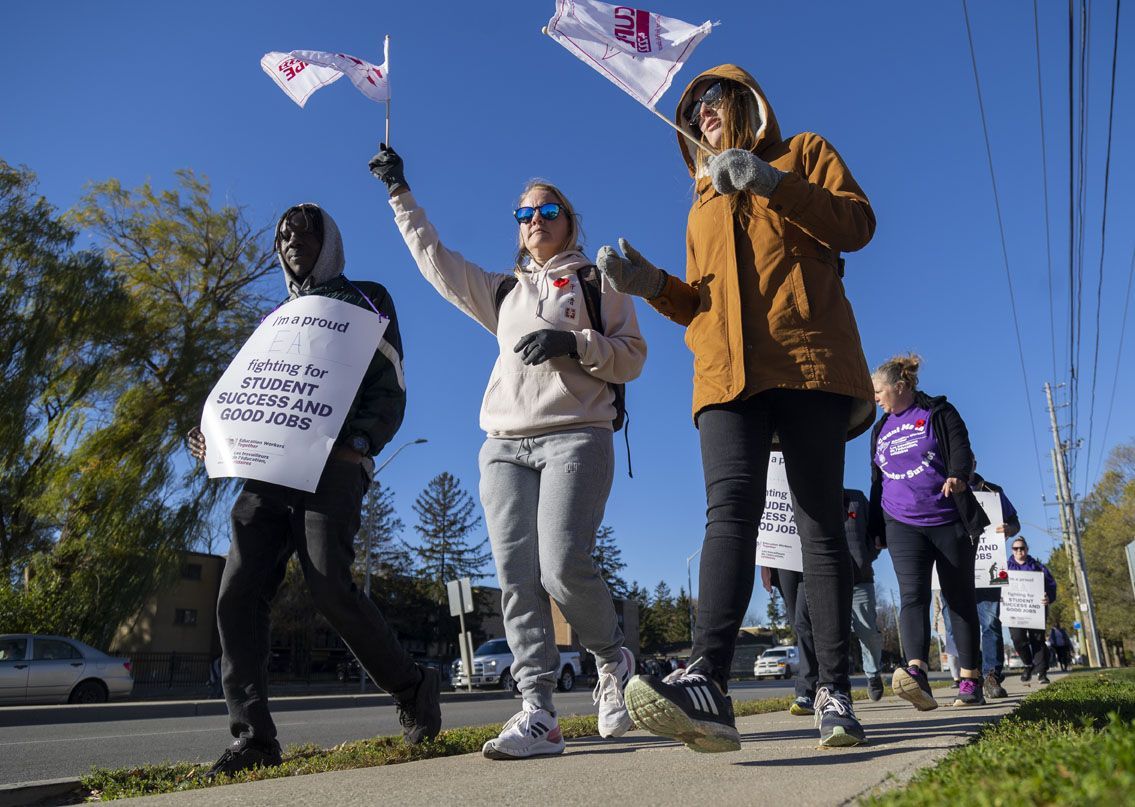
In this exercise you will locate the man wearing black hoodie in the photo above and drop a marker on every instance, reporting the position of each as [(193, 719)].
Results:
[(272, 522)]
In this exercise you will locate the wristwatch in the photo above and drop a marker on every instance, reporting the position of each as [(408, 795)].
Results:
[(361, 444)]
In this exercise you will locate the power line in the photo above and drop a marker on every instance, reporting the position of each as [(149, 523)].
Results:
[(1004, 248), (1044, 174), (1103, 248), (1118, 356)]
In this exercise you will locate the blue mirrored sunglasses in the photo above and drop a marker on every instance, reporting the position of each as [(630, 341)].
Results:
[(548, 212)]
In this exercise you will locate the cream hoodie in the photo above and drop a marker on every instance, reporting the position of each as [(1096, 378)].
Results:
[(562, 393)]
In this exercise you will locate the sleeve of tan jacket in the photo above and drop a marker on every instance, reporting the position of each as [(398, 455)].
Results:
[(617, 354), (679, 300), (825, 202), (463, 283)]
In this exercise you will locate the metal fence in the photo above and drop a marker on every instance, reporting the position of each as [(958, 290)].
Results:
[(170, 670)]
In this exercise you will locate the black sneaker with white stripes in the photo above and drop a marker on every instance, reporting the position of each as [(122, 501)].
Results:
[(686, 705)]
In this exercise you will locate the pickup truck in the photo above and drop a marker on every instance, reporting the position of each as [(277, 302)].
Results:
[(492, 662)]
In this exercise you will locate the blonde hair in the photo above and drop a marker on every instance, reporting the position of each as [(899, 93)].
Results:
[(741, 124), (575, 229), (903, 367)]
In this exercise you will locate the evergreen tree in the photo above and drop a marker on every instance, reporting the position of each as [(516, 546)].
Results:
[(609, 560), (682, 627), (445, 520), (380, 525)]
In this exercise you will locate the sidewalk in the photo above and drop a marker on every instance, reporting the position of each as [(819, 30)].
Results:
[(779, 758)]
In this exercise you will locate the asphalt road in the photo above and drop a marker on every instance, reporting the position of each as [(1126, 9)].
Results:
[(33, 753)]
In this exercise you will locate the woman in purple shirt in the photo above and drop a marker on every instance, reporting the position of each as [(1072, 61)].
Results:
[(924, 512)]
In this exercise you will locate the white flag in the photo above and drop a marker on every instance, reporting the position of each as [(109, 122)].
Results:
[(296, 77), (302, 72), (371, 81), (638, 50)]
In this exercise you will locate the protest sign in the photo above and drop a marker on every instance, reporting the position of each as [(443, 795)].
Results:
[(277, 410), (990, 563), (1022, 600), (778, 543)]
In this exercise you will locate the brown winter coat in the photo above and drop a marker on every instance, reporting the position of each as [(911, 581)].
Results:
[(764, 307)]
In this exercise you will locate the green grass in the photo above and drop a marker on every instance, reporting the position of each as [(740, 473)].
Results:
[(105, 784), (1070, 743)]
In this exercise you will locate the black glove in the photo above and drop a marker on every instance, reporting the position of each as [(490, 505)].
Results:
[(387, 166), (539, 346)]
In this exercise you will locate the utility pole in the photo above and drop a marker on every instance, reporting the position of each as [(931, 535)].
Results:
[(1071, 526)]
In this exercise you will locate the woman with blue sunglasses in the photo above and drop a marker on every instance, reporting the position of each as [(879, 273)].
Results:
[(777, 358), (548, 460)]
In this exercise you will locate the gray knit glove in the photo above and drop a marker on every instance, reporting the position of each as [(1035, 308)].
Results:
[(633, 274), (736, 169)]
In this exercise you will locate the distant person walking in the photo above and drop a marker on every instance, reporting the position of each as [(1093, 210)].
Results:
[(1061, 646), (1030, 641), (777, 357), (989, 599), (565, 338), (923, 509)]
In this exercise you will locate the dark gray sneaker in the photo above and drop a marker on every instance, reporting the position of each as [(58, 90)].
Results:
[(686, 705), (835, 718), (420, 713), (874, 687), (993, 688), (243, 755), (970, 693)]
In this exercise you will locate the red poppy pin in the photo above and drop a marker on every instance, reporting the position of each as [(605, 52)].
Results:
[(560, 282), (918, 424), (852, 514), (1002, 575)]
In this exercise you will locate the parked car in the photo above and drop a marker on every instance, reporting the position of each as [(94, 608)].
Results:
[(777, 662), (492, 662), (56, 669)]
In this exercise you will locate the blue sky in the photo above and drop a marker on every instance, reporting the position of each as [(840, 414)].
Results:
[(482, 102)]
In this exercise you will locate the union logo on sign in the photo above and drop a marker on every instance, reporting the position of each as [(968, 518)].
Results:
[(632, 25)]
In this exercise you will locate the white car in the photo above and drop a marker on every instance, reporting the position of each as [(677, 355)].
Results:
[(492, 662), (777, 662), (55, 669)]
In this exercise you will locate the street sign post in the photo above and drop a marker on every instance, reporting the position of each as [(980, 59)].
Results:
[(461, 603)]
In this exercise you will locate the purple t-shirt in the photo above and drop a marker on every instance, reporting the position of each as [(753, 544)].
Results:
[(913, 472)]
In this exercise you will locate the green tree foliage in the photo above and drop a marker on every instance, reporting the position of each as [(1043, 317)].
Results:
[(446, 517), (663, 619), (183, 291), (608, 559), (1107, 526), (57, 309), (381, 528)]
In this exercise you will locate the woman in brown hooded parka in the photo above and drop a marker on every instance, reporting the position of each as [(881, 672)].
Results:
[(777, 358)]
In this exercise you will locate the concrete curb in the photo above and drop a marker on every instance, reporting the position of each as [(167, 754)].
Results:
[(145, 710), (41, 794)]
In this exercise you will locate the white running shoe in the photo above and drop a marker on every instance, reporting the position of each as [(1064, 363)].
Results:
[(614, 719), (531, 732)]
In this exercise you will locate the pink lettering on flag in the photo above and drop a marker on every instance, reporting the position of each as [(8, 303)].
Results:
[(291, 68)]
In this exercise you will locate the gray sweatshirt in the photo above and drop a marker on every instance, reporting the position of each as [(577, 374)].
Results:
[(562, 393)]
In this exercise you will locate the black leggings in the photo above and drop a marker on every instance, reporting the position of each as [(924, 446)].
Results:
[(736, 439), (914, 552)]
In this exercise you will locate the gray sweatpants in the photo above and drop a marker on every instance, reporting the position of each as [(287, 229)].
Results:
[(544, 498)]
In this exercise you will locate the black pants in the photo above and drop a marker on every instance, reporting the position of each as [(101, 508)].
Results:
[(914, 552), (791, 585), (1031, 648), (270, 522), (736, 439)]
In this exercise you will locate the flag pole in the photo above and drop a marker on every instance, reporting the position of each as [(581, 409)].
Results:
[(386, 62), (696, 143)]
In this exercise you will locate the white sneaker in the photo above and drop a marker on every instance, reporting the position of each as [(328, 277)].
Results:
[(614, 719), (531, 732)]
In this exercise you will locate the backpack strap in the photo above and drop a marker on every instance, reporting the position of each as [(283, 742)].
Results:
[(591, 285), (506, 286)]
